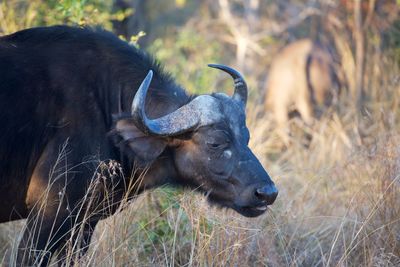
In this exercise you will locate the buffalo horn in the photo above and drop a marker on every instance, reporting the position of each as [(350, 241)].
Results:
[(181, 120), (240, 93)]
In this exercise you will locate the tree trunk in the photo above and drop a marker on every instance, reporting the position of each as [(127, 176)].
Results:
[(359, 50)]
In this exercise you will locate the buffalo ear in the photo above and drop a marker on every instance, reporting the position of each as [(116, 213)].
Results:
[(144, 148)]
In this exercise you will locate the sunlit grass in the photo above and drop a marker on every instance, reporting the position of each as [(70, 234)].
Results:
[(338, 206)]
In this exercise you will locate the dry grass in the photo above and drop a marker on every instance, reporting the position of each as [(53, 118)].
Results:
[(339, 203), (338, 206)]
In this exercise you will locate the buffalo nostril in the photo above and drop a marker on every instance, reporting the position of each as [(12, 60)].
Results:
[(267, 193)]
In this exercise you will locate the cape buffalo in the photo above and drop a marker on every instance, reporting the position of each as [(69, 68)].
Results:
[(301, 78), (76, 99)]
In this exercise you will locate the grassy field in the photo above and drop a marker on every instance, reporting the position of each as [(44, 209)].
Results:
[(339, 204)]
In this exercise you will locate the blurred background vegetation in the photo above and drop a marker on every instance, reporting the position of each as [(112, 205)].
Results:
[(339, 202)]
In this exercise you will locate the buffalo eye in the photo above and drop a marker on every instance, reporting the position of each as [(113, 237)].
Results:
[(219, 141), (217, 145)]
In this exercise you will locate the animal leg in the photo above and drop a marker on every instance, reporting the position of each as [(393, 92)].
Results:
[(43, 234), (77, 244), (49, 220), (282, 119), (305, 110)]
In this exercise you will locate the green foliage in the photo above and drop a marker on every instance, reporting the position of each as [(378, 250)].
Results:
[(135, 38), (16, 15), (186, 57), (82, 12), (166, 221), (154, 229), (393, 40)]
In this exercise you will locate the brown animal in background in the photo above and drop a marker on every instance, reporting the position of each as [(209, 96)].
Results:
[(301, 79)]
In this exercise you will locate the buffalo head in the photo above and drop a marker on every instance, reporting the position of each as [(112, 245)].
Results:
[(209, 142)]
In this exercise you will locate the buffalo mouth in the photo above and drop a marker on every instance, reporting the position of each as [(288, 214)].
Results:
[(247, 211), (251, 211)]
